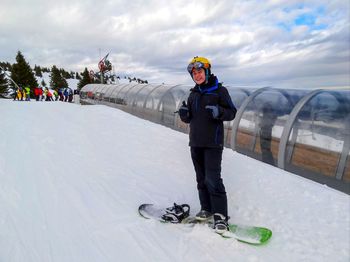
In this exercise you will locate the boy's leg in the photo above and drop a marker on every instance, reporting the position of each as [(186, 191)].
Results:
[(197, 155), (213, 180)]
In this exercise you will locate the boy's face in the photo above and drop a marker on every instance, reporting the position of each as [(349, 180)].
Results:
[(198, 76)]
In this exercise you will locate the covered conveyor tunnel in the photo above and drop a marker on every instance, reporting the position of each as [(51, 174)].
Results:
[(306, 132)]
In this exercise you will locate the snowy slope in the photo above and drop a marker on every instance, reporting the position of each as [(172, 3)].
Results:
[(72, 177)]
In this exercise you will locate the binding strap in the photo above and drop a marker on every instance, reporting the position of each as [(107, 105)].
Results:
[(176, 213)]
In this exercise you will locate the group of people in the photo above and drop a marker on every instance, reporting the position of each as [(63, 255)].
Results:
[(62, 94), (22, 94)]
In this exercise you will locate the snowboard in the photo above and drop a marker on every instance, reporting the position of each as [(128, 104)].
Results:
[(253, 235)]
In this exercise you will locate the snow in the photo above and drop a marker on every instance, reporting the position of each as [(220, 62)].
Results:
[(72, 178)]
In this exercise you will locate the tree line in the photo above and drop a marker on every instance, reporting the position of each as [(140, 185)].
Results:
[(24, 76)]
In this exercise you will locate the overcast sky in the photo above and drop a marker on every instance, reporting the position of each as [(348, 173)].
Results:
[(279, 43)]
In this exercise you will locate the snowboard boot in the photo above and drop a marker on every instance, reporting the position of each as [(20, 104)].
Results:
[(176, 213), (220, 223), (203, 215)]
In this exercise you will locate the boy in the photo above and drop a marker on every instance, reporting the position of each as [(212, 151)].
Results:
[(208, 105)]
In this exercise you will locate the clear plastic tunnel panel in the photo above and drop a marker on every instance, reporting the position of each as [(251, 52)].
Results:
[(96, 92), (167, 108), (153, 98), (169, 103), (346, 176), (238, 95), (99, 88), (87, 88), (114, 98), (123, 93), (108, 92), (320, 134), (142, 95), (88, 91), (132, 94), (84, 91), (262, 123), (101, 92), (183, 91), (180, 93)]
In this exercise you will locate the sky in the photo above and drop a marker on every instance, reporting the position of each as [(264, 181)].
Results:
[(291, 44)]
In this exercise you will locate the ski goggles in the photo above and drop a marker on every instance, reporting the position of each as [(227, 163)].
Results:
[(197, 65)]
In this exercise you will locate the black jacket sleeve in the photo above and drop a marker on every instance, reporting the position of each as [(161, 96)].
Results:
[(226, 107)]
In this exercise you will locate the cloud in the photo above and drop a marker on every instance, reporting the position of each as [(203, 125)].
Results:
[(248, 42)]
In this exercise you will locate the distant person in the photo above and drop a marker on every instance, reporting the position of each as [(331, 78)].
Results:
[(65, 94), (208, 105), (48, 95), (55, 94), (36, 93), (23, 94), (267, 122), (27, 92), (60, 93), (70, 94), (17, 94), (41, 92), (76, 96)]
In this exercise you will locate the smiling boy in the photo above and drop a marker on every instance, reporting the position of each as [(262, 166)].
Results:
[(208, 105)]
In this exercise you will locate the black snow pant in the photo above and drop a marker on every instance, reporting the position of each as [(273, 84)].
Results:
[(211, 190)]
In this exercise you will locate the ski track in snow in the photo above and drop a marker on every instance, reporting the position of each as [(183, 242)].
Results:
[(72, 178)]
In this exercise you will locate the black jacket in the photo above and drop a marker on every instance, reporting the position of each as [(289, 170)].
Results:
[(205, 131)]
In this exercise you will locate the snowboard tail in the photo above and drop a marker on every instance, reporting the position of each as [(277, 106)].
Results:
[(253, 235)]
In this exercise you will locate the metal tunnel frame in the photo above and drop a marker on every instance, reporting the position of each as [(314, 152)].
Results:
[(288, 128), (240, 112)]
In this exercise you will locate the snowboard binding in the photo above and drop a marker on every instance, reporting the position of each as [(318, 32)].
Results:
[(176, 213)]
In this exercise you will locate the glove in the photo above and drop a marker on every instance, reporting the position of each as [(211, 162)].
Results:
[(183, 110), (213, 111)]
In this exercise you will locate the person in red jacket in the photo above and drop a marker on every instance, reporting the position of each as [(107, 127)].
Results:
[(41, 93), (48, 95), (36, 93)]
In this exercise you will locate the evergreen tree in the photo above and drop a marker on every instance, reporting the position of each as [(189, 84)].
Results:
[(6, 66), (77, 76), (43, 83), (56, 79), (45, 70), (3, 84), (37, 70), (22, 74), (64, 73), (85, 80)]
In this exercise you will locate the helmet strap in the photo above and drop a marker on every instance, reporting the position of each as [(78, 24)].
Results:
[(206, 75)]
